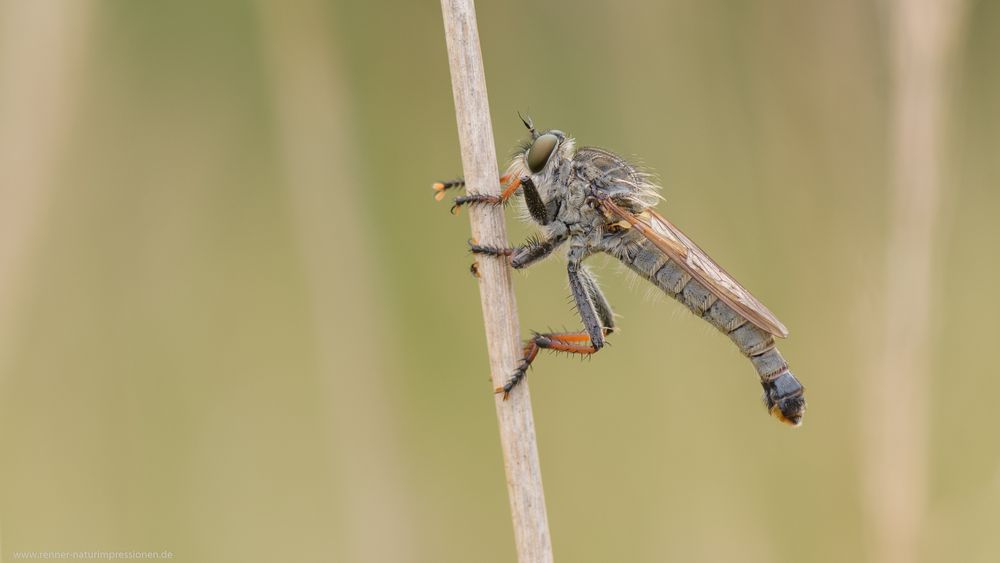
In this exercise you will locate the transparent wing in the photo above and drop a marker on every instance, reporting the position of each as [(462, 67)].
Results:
[(682, 250)]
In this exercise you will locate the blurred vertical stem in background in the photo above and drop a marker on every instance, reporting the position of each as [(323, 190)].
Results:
[(43, 48), (922, 36), (318, 160), (517, 426)]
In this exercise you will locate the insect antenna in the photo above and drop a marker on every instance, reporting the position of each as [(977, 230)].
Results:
[(529, 124)]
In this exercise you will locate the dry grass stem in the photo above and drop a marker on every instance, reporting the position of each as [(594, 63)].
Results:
[(517, 427)]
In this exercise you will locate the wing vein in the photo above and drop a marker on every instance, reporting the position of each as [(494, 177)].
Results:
[(693, 260)]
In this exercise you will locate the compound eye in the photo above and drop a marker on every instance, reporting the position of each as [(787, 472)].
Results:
[(540, 152)]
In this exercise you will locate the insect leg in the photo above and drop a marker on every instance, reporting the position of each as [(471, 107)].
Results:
[(536, 206), (441, 187), (601, 304), (528, 253), (584, 301), (472, 199), (571, 342), (594, 310)]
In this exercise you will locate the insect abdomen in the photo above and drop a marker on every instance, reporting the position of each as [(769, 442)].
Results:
[(783, 394)]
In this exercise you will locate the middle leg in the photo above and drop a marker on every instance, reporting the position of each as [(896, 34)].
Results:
[(528, 253)]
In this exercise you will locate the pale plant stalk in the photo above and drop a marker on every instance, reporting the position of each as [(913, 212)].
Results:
[(43, 51), (923, 34), (517, 427), (311, 109)]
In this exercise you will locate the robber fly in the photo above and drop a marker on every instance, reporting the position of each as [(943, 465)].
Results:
[(591, 201)]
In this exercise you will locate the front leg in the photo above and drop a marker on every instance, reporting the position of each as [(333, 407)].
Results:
[(473, 199), (441, 187), (539, 211)]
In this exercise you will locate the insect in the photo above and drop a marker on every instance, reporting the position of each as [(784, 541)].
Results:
[(590, 200)]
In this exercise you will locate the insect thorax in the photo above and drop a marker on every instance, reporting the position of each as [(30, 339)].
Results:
[(566, 182), (616, 176)]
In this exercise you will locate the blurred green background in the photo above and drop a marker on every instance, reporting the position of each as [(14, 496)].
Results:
[(235, 325)]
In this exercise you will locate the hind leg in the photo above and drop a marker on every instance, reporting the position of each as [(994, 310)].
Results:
[(570, 342), (597, 318)]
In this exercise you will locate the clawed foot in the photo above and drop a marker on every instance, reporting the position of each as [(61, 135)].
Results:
[(441, 187), (475, 199), (519, 373), (489, 250), (486, 250)]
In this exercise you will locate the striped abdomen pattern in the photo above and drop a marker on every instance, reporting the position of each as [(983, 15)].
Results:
[(782, 392)]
